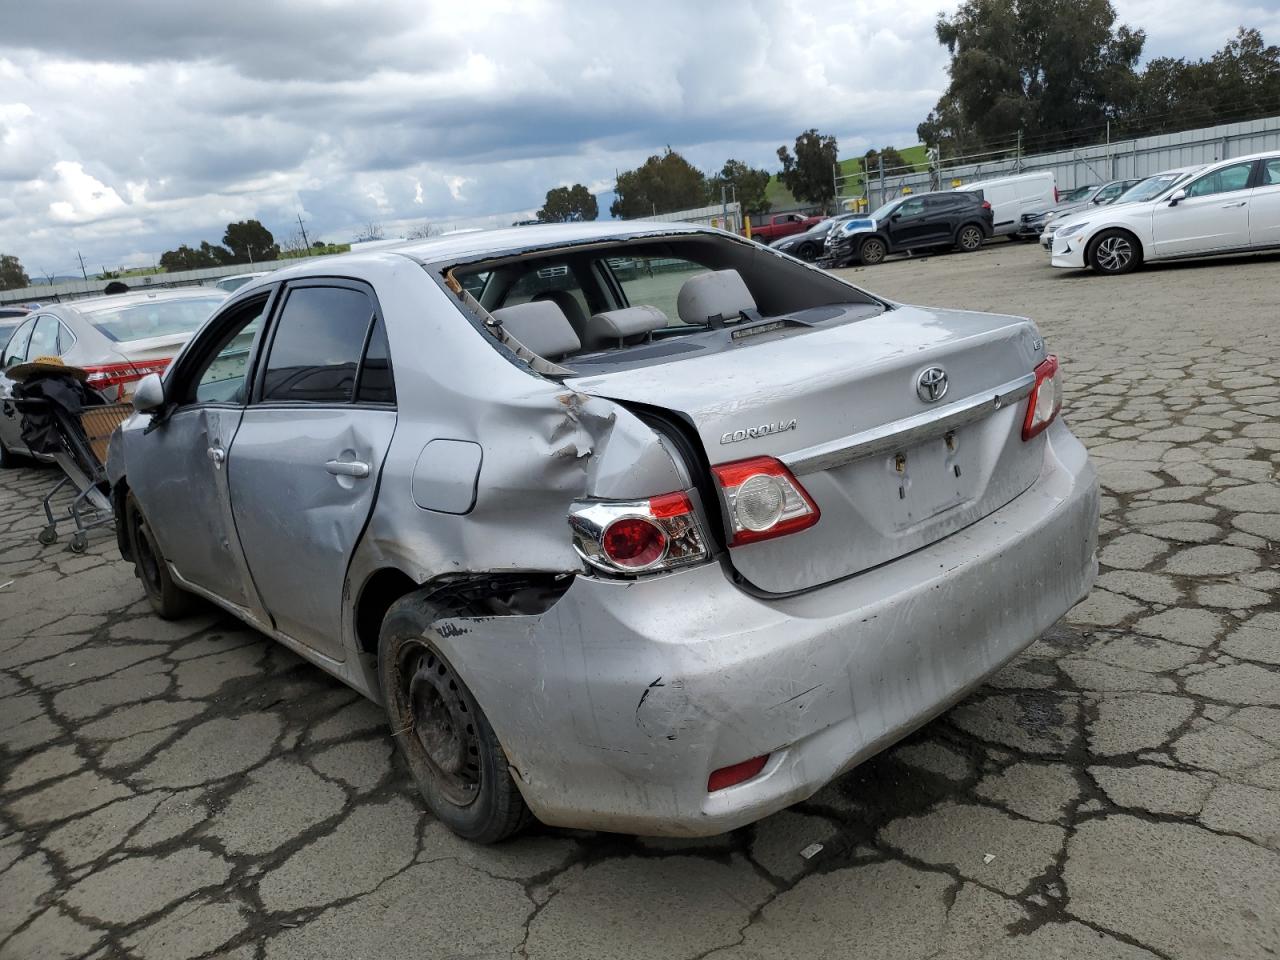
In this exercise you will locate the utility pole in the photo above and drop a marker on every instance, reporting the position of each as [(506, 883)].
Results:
[(305, 242), (1018, 162), (83, 272)]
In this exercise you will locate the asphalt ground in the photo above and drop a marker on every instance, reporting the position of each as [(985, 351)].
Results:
[(194, 790)]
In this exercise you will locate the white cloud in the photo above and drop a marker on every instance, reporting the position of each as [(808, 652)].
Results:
[(155, 123)]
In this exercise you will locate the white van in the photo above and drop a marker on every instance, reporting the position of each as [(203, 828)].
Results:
[(1010, 196)]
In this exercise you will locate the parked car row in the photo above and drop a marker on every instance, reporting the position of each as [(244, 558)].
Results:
[(116, 339), (1034, 222)]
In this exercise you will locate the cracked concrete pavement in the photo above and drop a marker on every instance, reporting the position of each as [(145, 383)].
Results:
[(194, 790)]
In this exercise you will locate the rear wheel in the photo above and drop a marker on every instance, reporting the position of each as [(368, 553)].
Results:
[(1114, 252), (969, 238), (872, 251), (168, 600), (441, 732)]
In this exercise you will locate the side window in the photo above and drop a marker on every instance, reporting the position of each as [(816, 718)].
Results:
[(654, 281), (44, 338), (1271, 172), (222, 378), (66, 339), (1234, 177), (1109, 192), (939, 204), (912, 208), (16, 350), (376, 385), (316, 348)]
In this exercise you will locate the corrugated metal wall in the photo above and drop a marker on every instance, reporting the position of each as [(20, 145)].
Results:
[(1115, 161)]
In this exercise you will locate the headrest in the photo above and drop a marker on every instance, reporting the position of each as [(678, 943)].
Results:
[(605, 329), (721, 293), (541, 326)]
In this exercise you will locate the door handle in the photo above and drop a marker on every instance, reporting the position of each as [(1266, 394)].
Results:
[(217, 455), (1238, 203), (348, 468)]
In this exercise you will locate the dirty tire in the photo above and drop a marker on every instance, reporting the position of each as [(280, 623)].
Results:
[(872, 251), (168, 600), (1114, 252), (441, 732), (968, 238)]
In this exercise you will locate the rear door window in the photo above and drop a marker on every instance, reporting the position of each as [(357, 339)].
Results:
[(316, 348), (1227, 180), (16, 349), (44, 339)]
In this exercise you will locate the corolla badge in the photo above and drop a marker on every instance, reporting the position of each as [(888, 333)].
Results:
[(764, 430), (931, 385)]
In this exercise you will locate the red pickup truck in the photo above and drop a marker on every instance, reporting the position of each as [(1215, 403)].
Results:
[(774, 226)]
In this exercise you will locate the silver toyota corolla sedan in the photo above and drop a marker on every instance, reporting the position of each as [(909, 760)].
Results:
[(659, 551), (117, 339)]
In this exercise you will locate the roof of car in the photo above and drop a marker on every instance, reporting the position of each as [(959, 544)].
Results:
[(95, 304), (513, 239)]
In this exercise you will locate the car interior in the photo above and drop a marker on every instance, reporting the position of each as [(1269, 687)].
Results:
[(633, 304)]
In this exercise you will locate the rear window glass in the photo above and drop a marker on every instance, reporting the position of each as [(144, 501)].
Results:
[(159, 318)]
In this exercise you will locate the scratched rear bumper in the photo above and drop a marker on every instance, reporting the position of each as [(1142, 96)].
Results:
[(616, 704)]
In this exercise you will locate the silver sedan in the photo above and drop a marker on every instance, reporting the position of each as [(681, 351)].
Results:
[(117, 339), (660, 549)]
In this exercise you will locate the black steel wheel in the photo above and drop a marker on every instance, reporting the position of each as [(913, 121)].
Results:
[(441, 732), (872, 251), (969, 238), (168, 600), (807, 251), (1114, 252)]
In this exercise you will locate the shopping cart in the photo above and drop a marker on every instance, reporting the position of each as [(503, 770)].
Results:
[(82, 455)]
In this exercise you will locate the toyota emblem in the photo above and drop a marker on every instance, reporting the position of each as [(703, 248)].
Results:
[(931, 385)]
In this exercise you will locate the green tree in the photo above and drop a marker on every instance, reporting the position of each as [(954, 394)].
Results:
[(12, 276), (569, 205), (250, 242), (808, 173), (1042, 67), (744, 183), (893, 160), (194, 258), (662, 184)]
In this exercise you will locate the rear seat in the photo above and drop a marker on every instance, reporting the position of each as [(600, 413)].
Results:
[(541, 326), (613, 328)]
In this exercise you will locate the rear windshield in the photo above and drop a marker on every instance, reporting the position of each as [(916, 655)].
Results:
[(159, 318), (757, 295)]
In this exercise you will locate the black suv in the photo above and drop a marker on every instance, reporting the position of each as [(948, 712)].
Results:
[(961, 219)]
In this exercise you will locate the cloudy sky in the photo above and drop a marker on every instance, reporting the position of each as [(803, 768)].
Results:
[(128, 127)]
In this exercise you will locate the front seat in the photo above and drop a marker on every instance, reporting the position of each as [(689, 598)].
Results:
[(541, 326), (714, 298), (569, 306)]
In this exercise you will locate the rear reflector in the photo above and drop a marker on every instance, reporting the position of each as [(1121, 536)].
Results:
[(1046, 398), (738, 773), (762, 500)]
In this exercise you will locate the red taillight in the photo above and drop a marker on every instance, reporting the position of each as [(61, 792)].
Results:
[(986, 204), (762, 500), (633, 542), (638, 536), (1057, 198), (738, 773), (1045, 400), (103, 376)]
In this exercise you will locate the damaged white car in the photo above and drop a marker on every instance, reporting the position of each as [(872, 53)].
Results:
[(635, 527)]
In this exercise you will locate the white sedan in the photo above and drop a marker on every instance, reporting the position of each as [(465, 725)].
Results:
[(1231, 206)]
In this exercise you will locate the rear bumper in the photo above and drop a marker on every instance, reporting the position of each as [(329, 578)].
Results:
[(616, 705)]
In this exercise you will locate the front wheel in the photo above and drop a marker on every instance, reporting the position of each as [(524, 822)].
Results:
[(969, 238), (872, 251), (807, 251), (168, 600), (441, 732), (1114, 252)]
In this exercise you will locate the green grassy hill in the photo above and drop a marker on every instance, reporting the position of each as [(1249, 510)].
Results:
[(780, 197)]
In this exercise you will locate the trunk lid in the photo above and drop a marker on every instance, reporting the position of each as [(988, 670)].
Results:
[(889, 470)]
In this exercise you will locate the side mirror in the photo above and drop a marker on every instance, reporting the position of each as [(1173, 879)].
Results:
[(149, 396), (1177, 197), (896, 217)]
